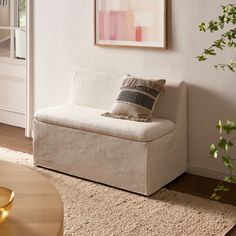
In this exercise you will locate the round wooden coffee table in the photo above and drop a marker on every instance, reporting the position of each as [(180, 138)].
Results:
[(37, 209)]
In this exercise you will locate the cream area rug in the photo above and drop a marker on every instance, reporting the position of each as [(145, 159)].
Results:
[(97, 210)]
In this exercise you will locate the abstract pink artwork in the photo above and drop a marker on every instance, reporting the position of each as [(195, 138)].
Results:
[(130, 23)]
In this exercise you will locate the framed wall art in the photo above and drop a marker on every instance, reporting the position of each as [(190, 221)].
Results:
[(137, 23)]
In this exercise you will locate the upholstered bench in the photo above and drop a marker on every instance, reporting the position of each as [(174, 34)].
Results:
[(136, 156)]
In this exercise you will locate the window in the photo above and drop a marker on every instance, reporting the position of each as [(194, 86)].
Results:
[(13, 29)]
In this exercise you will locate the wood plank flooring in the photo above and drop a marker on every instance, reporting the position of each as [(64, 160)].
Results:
[(13, 138)]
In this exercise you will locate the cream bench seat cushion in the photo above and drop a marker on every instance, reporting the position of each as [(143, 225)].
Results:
[(90, 119)]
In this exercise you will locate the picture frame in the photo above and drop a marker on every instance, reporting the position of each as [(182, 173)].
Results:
[(130, 23)]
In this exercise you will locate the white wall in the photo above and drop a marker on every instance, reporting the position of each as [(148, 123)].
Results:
[(63, 32)]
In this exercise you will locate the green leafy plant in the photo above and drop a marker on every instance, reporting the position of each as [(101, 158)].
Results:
[(227, 39), (22, 13), (222, 150)]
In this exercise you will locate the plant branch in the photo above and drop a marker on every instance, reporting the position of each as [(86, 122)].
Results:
[(227, 39), (222, 150)]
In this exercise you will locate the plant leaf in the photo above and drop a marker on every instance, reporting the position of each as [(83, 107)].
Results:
[(220, 126), (229, 179), (215, 197), (223, 143), (201, 58), (228, 162), (214, 151)]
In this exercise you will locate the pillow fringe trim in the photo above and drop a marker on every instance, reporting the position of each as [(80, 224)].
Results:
[(124, 117), (132, 82)]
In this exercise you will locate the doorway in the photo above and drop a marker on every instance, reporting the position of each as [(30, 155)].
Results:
[(15, 72)]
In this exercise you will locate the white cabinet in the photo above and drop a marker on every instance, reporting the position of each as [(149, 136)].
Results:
[(20, 38), (12, 94)]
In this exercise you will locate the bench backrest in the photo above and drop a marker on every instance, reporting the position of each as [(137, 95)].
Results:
[(100, 90)]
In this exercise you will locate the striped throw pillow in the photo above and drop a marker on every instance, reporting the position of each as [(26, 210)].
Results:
[(137, 99)]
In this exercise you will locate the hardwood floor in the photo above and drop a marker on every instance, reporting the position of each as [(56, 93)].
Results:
[(13, 138)]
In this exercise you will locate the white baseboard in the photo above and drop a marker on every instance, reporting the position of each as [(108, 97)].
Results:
[(12, 118), (210, 173)]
